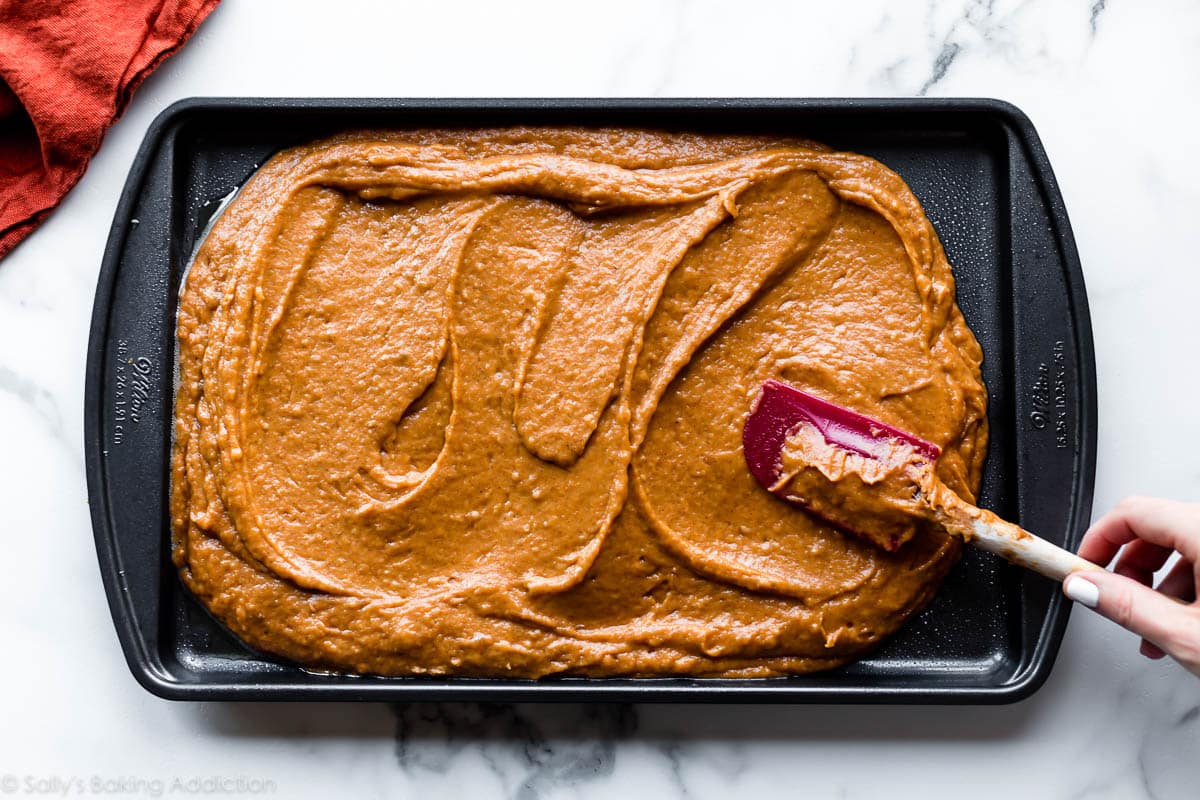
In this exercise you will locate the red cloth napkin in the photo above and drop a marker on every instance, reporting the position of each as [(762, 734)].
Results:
[(67, 71)]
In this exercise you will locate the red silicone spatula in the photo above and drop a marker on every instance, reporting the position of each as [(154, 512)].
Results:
[(874, 480)]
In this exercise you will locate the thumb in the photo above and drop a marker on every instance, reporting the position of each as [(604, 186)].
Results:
[(1168, 623)]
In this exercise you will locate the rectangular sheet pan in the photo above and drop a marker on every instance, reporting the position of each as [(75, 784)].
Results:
[(993, 632)]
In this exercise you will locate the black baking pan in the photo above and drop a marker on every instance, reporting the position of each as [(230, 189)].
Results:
[(993, 631)]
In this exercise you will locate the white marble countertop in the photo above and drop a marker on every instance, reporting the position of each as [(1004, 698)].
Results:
[(1114, 89)]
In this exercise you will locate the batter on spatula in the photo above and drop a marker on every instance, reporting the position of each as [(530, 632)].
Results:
[(875, 480), (471, 402)]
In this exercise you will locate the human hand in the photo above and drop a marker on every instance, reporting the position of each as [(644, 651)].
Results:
[(1167, 617)]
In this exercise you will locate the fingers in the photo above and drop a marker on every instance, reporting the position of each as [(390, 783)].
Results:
[(1149, 530), (1180, 582), (1169, 625), (1165, 523), (1141, 559)]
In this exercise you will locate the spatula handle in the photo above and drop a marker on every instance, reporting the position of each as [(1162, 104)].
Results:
[(1021, 547)]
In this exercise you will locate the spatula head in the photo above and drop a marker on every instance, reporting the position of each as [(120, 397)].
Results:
[(781, 408), (865, 477)]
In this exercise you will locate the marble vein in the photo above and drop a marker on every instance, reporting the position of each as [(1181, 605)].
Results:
[(1094, 15), (672, 752), (39, 400), (528, 749), (941, 65)]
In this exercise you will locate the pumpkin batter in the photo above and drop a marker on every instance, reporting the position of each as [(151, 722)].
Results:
[(470, 402), (877, 496)]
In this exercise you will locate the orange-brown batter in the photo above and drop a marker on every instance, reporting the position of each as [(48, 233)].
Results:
[(881, 497), (470, 402)]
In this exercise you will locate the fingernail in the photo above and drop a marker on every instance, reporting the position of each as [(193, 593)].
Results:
[(1081, 590)]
